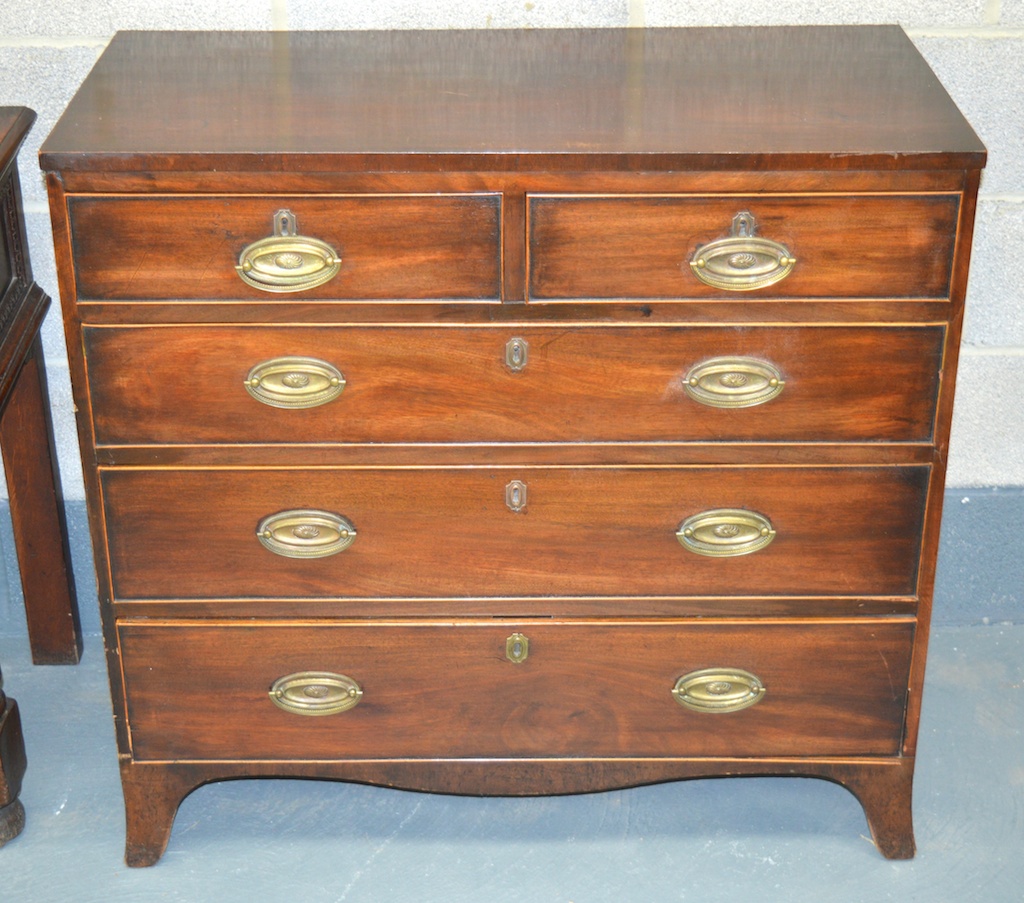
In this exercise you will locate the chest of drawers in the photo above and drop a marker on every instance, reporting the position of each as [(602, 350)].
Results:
[(514, 412)]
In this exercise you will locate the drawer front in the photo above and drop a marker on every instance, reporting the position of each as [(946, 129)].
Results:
[(447, 691), (866, 246), (182, 385), (498, 532), (390, 246)]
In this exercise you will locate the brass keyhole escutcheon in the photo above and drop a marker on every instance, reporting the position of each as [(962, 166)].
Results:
[(517, 354), (515, 496), (517, 648)]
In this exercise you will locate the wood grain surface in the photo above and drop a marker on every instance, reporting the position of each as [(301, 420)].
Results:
[(391, 246), (641, 247), (587, 689), (624, 99), (184, 385), (442, 532)]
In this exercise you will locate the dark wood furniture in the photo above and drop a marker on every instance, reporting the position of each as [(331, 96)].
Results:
[(30, 463), (548, 411), (12, 768), (26, 429)]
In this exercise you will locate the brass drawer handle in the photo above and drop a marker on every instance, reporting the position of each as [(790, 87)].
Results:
[(302, 533), (724, 532), (733, 382), (315, 693), (294, 382), (287, 261), (717, 690), (743, 261)]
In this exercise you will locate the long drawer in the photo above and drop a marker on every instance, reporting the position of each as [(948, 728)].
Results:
[(386, 246), (181, 384), (497, 532), (434, 690), (641, 246)]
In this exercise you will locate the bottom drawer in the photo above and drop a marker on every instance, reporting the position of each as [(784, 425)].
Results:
[(584, 688)]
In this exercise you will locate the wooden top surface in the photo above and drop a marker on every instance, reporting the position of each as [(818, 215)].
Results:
[(853, 97), (14, 125)]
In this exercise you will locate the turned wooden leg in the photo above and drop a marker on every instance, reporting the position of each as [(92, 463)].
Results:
[(12, 768), (151, 799), (885, 792)]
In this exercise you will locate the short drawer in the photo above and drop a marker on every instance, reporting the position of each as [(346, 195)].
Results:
[(859, 246), (386, 246), (482, 532), (181, 385), (435, 690)]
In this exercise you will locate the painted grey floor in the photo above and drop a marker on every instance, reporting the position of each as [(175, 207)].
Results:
[(736, 840)]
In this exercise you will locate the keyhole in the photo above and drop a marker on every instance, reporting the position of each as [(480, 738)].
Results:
[(515, 496), (516, 353), (517, 648), (284, 223), (743, 225)]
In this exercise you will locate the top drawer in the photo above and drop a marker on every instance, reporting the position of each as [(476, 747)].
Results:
[(632, 246), (404, 247)]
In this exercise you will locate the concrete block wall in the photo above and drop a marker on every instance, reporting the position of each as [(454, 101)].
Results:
[(975, 46)]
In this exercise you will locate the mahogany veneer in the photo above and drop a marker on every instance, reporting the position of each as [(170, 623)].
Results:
[(888, 246), (503, 389), (587, 689), (584, 385)]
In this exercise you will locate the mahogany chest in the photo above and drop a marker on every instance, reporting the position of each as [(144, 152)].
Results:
[(514, 412)]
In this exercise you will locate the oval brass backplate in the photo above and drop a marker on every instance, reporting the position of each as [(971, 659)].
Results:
[(315, 693), (743, 261), (294, 382), (287, 261), (724, 532), (733, 382), (304, 533), (718, 690)]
